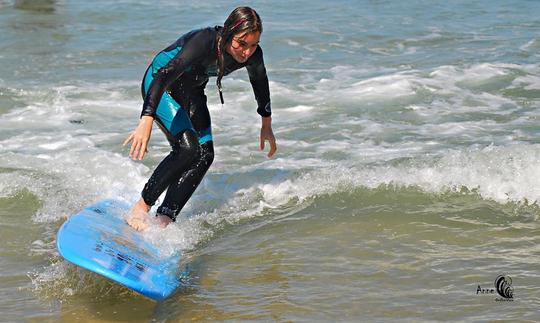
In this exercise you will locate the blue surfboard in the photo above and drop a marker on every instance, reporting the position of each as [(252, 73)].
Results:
[(98, 239)]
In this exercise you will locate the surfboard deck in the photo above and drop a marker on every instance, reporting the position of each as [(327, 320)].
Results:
[(98, 239)]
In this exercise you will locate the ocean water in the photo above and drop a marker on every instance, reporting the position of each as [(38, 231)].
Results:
[(406, 175)]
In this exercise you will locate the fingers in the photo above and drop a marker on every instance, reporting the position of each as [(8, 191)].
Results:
[(139, 147), (272, 140), (273, 147), (142, 150), (134, 148), (139, 139), (138, 150), (262, 142), (128, 139)]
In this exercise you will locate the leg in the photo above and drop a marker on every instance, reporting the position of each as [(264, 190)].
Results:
[(175, 123), (181, 190), (185, 151)]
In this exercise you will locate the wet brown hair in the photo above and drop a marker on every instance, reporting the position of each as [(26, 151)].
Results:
[(241, 19)]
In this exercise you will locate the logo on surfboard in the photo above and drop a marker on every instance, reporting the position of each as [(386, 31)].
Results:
[(100, 247)]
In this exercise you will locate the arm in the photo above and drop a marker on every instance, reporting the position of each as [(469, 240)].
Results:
[(164, 77), (194, 49), (261, 89), (259, 82)]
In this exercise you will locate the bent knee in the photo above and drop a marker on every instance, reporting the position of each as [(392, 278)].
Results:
[(207, 154), (186, 145), (207, 158)]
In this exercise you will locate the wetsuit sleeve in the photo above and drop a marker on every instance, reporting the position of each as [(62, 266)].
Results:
[(259, 82), (192, 51)]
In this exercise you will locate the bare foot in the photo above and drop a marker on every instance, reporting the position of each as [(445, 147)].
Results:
[(138, 215), (163, 220)]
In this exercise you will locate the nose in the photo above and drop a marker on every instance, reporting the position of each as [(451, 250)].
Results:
[(247, 52)]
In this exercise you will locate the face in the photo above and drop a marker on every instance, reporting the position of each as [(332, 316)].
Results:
[(243, 45)]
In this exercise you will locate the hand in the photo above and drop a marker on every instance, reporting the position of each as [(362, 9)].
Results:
[(268, 134), (140, 138)]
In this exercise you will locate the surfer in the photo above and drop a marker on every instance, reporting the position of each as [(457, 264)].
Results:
[(173, 91)]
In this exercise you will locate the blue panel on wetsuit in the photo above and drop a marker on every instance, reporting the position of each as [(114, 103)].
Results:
[(205, 135), (163, 58), (171, 115), (169, 112)]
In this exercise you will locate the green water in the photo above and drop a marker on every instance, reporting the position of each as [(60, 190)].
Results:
[(388, 253)]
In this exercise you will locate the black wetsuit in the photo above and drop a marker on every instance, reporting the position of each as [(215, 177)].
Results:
[(173, 92)]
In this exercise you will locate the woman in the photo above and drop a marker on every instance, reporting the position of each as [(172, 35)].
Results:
[(173, 92)]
